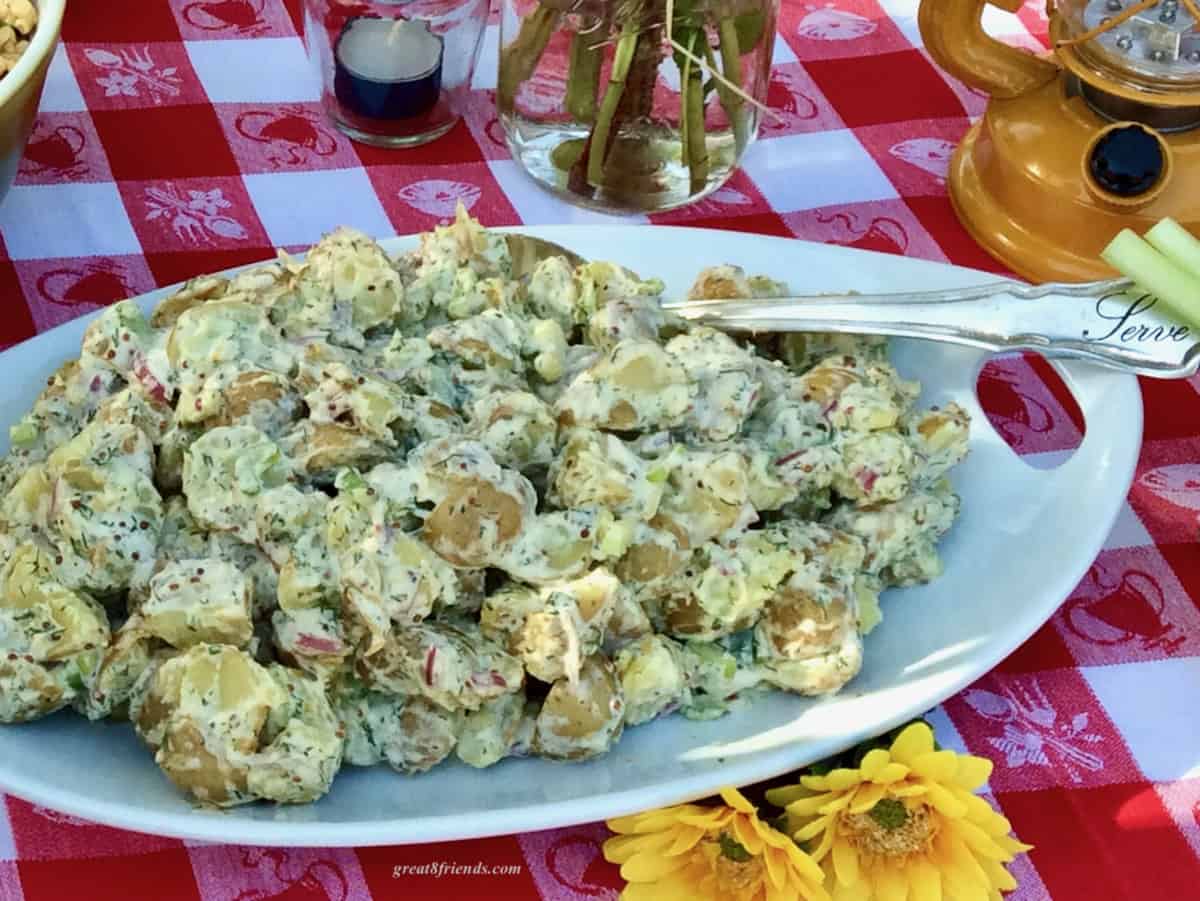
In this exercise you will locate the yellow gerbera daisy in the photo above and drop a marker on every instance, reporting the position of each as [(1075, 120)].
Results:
[(905, 825), (692, 853)]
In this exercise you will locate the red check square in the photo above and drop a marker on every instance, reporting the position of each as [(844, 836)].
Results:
[(456, 147), (169, 142), (119, 20), (1041, 730), (284, 138), (1044, 650), (1085, 840), (41, 834), (939, 219), (886, 226), (63, 147), (416, 198), (193, 214), (412, 871), (159, 874), (58, 290), (17, 322), (1169, 409), (135, 76), (854, 29), (172, 268), (1132, 606), (208, 20), (919, 91)]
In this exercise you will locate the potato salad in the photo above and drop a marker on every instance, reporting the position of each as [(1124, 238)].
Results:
[(364, 509)]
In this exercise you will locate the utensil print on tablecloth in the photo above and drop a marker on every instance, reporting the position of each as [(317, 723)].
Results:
[(930, 154), (196, 217), (316, 880), (1032, 731), (1015, 414), (881, 233), (789, 102), (439, 197), (294, 135), (243, 16), (57, 151), (828, 23), (720, 200), (99, 282), (131, 70), (1132, 608)]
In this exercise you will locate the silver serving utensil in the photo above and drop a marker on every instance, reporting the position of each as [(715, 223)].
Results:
[(1109, 323)]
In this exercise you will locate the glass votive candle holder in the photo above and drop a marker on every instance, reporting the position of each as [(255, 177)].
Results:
[(394, 73)]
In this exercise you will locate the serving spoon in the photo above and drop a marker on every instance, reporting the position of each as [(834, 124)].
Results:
[(1110, 323)]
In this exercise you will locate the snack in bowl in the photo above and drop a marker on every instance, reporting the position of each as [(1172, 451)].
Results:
[(361, 510), (18, 18)]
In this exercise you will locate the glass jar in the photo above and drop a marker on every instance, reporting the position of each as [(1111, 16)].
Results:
[(394, 73), (605, 108)]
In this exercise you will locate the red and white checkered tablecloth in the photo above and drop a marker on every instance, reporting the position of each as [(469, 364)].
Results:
[(178, 137)]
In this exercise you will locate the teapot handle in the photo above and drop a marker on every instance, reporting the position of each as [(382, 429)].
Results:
[(953, 34)]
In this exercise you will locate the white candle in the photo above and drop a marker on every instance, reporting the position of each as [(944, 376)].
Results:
[(388, 68)]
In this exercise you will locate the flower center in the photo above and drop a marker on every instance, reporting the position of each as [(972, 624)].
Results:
[(735, 875), (889, 829)]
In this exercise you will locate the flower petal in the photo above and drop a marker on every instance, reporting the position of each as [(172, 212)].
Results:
[(979, 841), (736, 800), (808, 806), (813, 829), (916, 739), (841, 779), (650, 867), (945, 802), (891, 773), (909, 790), (999, 876), (890, 882), (867, 797), (743, 830), (685, 839), (839, 802), (973, 771), (845, 863), (711, 821), (775, 862), (936, 766), (874, 761), (924, 881), (785, 795), (804, 864), (620, 848)]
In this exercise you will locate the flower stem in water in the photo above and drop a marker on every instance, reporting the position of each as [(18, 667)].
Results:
[(583, 76), (598, 149), (520, 58)]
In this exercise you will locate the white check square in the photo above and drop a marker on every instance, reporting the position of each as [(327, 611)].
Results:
[(61, 94), (1153, 704), (255, 70), (71, 220), (300, 207), (537, 206), (489, 56), (807, 171)]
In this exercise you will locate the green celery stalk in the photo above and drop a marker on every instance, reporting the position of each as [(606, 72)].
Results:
[(1177, 244), (1177, 290)]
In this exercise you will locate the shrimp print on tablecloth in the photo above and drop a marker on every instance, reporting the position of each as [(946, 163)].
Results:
[(440, 197)]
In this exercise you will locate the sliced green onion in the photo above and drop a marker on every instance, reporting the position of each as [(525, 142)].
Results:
[(1177, 290), (1177, 244)]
